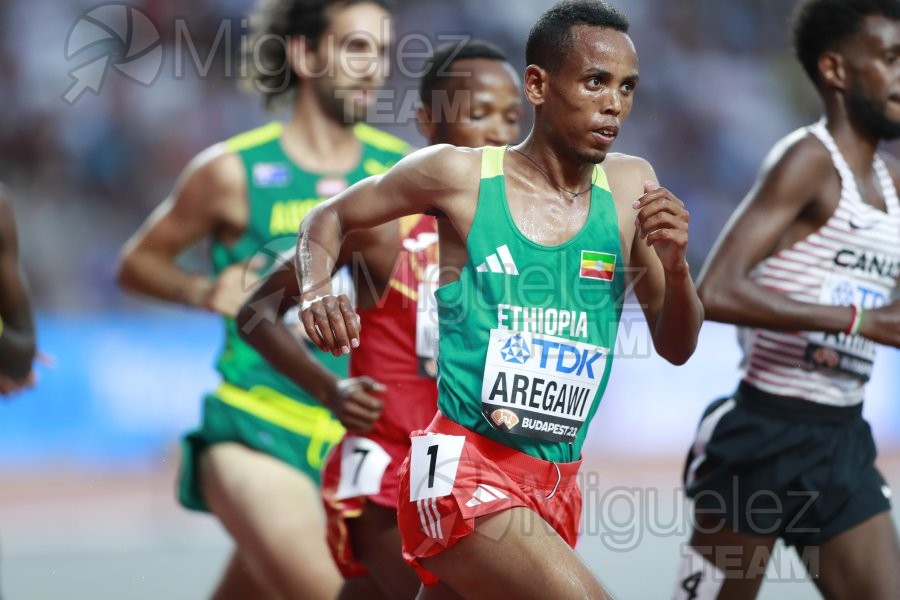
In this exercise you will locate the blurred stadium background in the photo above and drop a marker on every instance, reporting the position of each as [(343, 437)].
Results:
[(87, 459)]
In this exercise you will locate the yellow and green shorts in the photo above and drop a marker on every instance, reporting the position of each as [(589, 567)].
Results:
[(290, 430)]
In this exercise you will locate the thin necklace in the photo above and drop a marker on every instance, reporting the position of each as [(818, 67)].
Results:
[(550, 179)]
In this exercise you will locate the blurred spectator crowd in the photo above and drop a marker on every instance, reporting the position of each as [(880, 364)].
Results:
[(718, 86)]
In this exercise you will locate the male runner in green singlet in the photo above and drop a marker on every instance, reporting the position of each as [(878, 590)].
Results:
[(535, 245), (255, 459), (394, 266)]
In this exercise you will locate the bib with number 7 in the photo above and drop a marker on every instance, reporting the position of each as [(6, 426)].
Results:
[(363, 463)]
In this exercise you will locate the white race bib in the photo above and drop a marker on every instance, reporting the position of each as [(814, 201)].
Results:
[(434, 459), (852, 354), (427, 323), (363, 463), (540, 386)]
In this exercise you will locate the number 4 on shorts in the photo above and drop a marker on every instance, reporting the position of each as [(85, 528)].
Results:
[(434, 459)]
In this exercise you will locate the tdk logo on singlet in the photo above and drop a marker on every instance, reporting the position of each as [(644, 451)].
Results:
[(552, 355), (516, 350), (844, 290), (844, 294)]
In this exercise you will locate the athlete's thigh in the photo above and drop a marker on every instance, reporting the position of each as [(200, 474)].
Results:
[(862, 562), (238, 582), (273, 512), (722, 563), (375, 538), (514, 554), (260, 489)]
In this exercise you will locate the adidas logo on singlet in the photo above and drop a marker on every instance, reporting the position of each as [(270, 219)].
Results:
[(500, 261)]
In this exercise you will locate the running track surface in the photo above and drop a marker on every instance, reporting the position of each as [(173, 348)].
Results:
[(114, 536)]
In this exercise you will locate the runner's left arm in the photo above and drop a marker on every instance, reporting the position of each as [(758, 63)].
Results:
[(666, 291)]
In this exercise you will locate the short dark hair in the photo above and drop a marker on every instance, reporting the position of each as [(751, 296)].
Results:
[(820, 25), (438, 65), (272, 24), (550, 39)]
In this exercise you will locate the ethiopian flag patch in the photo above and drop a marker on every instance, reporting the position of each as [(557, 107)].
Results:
[(598, 265)]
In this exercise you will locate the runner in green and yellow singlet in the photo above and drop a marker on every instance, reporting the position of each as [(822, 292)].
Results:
[(255, 459), (537, 244), (275, 415)]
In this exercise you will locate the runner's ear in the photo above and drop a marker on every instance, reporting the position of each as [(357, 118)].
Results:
[(831, 70), (536, 81)]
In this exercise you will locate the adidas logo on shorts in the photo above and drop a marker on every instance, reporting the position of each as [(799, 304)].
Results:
[(484, 494)]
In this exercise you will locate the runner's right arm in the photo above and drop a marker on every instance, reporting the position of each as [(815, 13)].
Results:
[(17, 338), (209, 199), (786, 191), (427, 181)]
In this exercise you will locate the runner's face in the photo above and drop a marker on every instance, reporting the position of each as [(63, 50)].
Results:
[(591, 92), (352, 58), (873, 77), (481, 106)]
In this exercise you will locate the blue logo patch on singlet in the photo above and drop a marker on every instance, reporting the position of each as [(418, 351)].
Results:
[(272, 174)]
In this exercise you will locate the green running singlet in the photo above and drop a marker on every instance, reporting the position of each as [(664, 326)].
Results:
[(527, 332), (280, 194)]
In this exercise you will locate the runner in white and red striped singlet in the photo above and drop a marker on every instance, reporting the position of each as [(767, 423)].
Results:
[(807, 268), (853, 259)]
